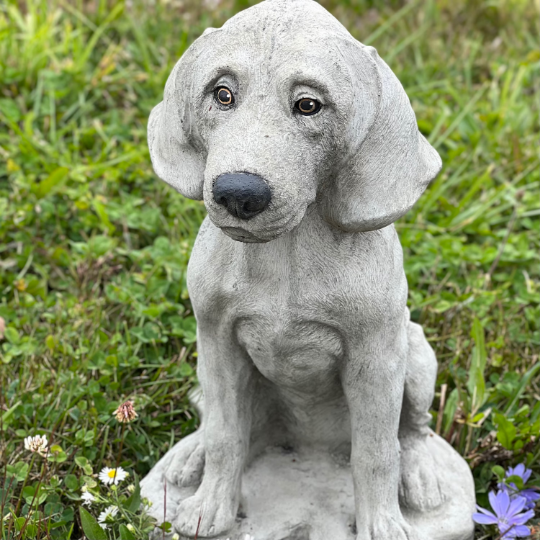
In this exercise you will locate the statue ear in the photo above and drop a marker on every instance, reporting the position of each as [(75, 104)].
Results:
[(389, 162), (177, 155)]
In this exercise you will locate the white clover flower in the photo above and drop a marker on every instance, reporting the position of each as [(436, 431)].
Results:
[(107, 516), (175, 536), (87, 498), (37, 444), (126, 412), (112, 476)]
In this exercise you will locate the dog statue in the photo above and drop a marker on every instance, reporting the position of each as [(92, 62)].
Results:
[(315, 384)]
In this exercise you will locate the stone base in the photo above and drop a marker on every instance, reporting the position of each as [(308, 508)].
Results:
[(286, 496)]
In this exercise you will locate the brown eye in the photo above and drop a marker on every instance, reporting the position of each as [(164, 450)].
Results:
[(308, 106), (224, 96)]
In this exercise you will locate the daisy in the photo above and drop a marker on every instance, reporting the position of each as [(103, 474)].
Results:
[(87, 498), (37, 444), (107, 516), (112, 476)]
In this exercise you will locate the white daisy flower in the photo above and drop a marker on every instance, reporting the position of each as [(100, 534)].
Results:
[(112, 476), (87, 498), (107, 516), (37, 444)]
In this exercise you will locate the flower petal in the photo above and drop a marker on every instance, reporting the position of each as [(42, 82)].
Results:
[(521, 531), (484, 519), (499, 502), (521, 519), (486, 512), (531, 494), (507, 531), (516, 506)]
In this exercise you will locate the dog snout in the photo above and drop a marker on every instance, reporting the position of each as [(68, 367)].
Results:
[(244, 195)]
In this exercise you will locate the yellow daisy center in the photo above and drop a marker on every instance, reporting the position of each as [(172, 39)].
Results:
[(111, 474)]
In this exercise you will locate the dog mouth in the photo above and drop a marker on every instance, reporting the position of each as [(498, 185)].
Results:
[(272, 230), (241, 235)]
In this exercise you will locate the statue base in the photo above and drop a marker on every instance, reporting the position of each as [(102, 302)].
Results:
[(289, 496)]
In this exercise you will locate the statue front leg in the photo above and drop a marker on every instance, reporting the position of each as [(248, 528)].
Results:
[(226, 375), (373, 378)]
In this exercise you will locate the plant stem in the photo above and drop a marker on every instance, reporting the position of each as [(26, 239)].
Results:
[(505, 533), (164, 506), (36, 493), (121, 446), (25, 482)]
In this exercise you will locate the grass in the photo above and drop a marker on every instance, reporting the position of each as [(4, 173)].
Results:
[(93, 248)]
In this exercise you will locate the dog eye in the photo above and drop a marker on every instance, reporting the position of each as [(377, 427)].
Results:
[(308, 106), (224, 96)]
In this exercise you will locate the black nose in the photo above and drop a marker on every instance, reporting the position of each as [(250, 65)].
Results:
[(244, 195)]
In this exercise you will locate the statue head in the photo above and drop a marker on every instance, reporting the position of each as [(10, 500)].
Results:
[(282, 108)]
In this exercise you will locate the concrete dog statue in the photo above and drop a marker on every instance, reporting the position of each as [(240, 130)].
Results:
[(305, 149)]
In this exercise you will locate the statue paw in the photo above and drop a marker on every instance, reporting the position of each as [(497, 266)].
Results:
[(186, 466), (388, 527), (205, 514), (419, 487)]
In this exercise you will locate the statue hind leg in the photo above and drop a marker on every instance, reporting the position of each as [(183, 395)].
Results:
[(419, 485)]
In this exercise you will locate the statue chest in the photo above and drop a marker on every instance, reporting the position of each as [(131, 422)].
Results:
[(290, 350), (292, 307)]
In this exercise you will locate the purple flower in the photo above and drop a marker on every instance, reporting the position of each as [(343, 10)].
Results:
[(530, 494), (520, 471), (508, 515)]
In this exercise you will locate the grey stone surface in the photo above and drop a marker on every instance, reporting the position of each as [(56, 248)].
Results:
[(306, 349), (287, 496)]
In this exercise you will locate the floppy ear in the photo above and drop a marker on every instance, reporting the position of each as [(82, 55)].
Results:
[(177, 155), (390, 163)]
